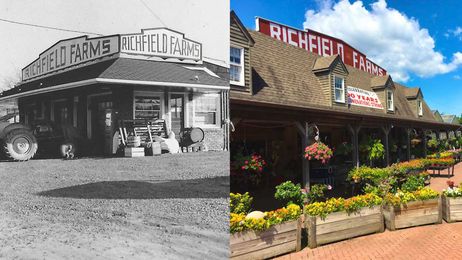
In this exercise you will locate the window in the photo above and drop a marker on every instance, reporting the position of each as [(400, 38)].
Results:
[(339, 88), (419, 107), (236, 69), (390, 105), (206, 110), (147, 107)]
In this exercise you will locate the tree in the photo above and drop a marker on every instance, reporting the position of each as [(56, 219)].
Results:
[(10, 81)]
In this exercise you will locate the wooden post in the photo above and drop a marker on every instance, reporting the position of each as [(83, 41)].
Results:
[(311, 231), (408, 142), (354, 130), (424, 141), (386, 131), (304, 133)]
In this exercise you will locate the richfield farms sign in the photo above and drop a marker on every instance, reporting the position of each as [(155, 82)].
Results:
[(319, 43), (162, 42), (71, 52), (363, 98)]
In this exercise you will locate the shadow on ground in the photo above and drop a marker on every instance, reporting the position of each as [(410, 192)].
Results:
[(217, 187)]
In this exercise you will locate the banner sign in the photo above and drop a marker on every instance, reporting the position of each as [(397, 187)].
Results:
[(363, 98), (71, 52), (319, 43), (161, 42)]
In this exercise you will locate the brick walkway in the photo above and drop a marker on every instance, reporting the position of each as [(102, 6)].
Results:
[(442, 241)]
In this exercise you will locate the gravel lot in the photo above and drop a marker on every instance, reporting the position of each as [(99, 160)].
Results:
[(165, 207)]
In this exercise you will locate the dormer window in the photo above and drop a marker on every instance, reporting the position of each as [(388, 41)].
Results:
[(236, 68), (419, 107), (339, 89), (390, 103)]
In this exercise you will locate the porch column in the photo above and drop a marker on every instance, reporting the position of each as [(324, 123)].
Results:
[(424, 141), (304, 132), (386, 131), (354, 131), (408, 142)]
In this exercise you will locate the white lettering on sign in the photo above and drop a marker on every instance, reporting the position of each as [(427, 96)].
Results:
[(319, 43), (363, 98), (71, 52), (164, 43)]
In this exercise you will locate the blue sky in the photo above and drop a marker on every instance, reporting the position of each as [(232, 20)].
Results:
[(422, 39)]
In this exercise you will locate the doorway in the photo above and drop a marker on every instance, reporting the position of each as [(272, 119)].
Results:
[(177, 113), (101, 125)]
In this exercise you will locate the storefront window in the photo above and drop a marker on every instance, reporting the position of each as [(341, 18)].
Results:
[(339, 88), (419, 106), (390, 105), (236, 66), (206, 110), (147, 107)]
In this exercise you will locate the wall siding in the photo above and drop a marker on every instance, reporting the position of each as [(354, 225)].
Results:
[(238, 39)]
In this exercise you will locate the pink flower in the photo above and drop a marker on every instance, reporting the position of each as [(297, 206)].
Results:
[(329, 187)]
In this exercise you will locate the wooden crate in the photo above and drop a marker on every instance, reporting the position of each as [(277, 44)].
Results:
[(134, 151), (452, 209), (277, 240), (340, 226), (413, 214)]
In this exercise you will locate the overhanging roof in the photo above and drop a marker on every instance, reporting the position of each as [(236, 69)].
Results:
[(122, 71)]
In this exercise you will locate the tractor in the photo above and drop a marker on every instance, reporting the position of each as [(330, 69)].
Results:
[(21, 143), (18, 141)]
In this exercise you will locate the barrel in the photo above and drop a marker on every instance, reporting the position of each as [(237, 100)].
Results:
[(193, 135), (133, 141)]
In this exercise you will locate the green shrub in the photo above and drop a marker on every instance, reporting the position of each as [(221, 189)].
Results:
[(413, 183), (316, 192), (240, 203), (290, 193)]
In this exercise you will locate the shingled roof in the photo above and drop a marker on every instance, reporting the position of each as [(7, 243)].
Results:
[(412, 92), (285, 75), (125, 69)]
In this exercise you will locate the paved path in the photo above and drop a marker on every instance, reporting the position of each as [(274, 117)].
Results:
[(442, 241)]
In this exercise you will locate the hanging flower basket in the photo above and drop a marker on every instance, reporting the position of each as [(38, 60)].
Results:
[(318, 151)]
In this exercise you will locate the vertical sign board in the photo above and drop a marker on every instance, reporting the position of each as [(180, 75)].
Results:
[(71, 52), (161, 42), (319, 43)]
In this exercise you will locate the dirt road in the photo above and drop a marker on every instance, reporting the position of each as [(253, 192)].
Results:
[(167, 207)]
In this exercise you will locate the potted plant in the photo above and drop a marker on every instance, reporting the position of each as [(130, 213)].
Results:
[(261, 235), (452, 203), (407, 209), (338, 219), (249, 169), (318, 151)]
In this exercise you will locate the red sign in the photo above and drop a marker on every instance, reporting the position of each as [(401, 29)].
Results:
[(319, 43)]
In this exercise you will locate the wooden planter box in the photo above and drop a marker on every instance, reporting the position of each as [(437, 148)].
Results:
[(452, 209), (277, 240), (340, 226), (412, 214)]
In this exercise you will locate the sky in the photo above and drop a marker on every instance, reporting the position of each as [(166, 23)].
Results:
[(419, 43), (204, 21)]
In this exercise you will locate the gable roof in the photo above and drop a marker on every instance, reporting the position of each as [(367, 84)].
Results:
[(324, 63), (380, 81), (450, 119), (235, 18), (412, 92)]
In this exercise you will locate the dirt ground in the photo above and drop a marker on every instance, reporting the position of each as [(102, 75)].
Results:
[(166, 207)]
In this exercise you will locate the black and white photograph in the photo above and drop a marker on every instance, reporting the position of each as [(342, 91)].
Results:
[(114, 125)]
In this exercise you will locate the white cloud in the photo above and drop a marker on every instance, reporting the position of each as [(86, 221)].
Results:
[(457, 32), (387, 36)]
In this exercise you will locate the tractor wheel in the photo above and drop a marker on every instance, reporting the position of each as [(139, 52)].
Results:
[(68, 149), (20, 145)]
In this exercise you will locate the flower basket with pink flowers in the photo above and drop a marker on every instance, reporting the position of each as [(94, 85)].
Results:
[(318, 151)]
